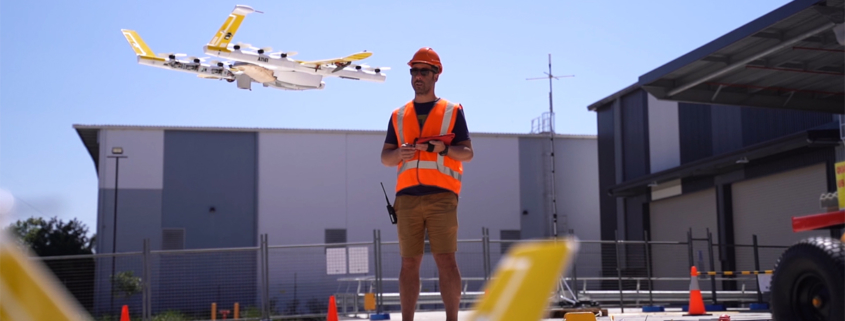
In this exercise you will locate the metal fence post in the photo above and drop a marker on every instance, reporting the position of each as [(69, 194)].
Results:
[(149, 268), (145, 279), (377, 269), (267, 271), (485, 249), (689, 248), (619, 272), (648, 269), (379, 274), (712, 264), (574, 273), (757, 268), (265, 280), (489, 254)]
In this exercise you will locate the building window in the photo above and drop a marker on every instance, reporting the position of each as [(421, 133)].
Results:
[(508, 235), (335, 236), (173, 239), (336, 258)]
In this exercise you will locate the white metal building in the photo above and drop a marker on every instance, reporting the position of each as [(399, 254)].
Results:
[(200, 188)]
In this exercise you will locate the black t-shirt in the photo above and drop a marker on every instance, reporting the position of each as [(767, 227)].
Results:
[(422, 110)]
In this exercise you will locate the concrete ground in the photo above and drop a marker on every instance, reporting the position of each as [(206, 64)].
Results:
[(615, 314)]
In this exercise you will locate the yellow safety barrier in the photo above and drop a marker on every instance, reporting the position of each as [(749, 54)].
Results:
[(735, 272)]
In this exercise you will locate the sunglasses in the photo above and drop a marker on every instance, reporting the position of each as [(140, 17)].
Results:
[(424, 71)]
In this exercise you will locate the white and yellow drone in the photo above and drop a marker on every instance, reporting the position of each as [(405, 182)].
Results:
[(246, 64)]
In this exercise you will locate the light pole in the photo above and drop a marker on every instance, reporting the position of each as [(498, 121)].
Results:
[(117, 154)]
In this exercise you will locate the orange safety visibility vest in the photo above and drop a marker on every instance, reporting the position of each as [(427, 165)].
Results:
[(427, 168)]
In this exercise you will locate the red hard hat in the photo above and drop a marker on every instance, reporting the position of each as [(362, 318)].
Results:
[(427, 55)]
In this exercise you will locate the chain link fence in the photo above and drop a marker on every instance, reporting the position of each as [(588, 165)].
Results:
[(296, 281)]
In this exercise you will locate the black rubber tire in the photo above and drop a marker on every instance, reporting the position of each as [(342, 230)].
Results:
[(811, 268)]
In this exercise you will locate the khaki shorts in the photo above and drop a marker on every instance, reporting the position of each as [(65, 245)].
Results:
[(436, 213)]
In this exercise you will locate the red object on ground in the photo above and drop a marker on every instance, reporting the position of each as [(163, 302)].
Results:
[(724, 317), (817, 221), (124, 313), (332, 315), (696, 302)]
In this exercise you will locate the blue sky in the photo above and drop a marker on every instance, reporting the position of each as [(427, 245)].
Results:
[(67, 63)]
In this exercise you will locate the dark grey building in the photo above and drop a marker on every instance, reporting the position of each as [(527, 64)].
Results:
[(734, 138)]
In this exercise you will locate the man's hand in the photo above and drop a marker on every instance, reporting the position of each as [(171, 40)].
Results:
[(407, 152), (438, 146)]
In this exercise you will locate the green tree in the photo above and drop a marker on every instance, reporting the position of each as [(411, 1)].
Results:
[(53, 237)]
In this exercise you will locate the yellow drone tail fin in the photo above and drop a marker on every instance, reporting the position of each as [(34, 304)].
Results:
[(522, 283), (227, 31), (138, 44)]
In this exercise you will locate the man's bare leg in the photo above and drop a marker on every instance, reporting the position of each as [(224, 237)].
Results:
[(409, 286), (450, 284)]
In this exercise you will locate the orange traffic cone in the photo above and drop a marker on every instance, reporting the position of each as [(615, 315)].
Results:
[(124, 315), (332, 310), (696, 302)]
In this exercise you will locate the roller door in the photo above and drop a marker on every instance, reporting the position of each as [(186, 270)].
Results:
[(765, 206), (670, 219)]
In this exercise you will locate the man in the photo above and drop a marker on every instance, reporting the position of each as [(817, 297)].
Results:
[(428, 183)]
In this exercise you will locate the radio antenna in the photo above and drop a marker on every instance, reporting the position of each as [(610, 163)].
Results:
[(551, 77)]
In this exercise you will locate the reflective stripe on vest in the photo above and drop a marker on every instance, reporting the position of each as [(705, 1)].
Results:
[(444, 126), (438, 165)]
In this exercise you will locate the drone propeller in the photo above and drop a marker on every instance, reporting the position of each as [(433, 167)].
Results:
[(375, 69), (219, 63), (241, 45), (170, 55), (282, 54), (197, 60), (261, 51)]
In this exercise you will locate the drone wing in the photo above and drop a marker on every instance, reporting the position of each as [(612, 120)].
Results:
[(353, 57), (227, 31), (141, 49)]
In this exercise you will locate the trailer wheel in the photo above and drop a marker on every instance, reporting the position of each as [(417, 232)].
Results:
[(808, 281)]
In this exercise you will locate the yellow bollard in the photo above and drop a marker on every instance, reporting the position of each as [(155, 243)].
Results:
[(369, 301), (237, 311), (214, 311)]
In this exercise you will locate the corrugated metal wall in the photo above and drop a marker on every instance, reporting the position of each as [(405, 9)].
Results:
[(635, 135), (607, 171), (764, 206), (708, 130), (696, 132), (726, 124), (671, 218), (762, 124)]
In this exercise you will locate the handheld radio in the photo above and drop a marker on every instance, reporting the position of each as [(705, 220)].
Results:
[(390, 211)]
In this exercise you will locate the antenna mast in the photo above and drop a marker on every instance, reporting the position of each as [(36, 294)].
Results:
[(551, 76)]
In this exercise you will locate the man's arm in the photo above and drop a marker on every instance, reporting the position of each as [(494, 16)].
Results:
[(390, 155), (461, 148), (461, 151)]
